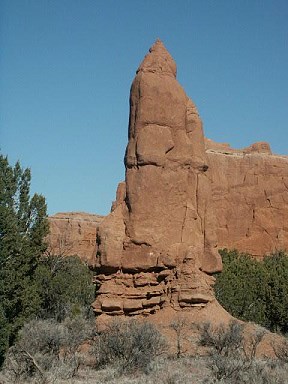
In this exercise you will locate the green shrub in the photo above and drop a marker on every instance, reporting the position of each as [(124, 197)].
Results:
[(254, 290), (65, 287), (32, 284), (276, 290), (240, 289)]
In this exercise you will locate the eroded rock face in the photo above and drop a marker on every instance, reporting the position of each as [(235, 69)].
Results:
[(158, 246), (74, 233), (250, 198)]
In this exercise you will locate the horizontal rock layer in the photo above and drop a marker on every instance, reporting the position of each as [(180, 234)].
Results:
[(147, 292)]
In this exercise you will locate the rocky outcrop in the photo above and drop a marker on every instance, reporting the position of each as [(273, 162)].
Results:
[(74, 233), (181, 196), (250, 197), (157, 248)]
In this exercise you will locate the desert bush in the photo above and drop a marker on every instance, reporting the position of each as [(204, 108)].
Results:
[(281, 351), (233, 356), (129, 345), (46, 348), (179, 326)]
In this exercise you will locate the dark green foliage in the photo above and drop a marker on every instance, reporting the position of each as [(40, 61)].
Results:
[(255, 290), (4, 335), (240, 289), (276, 285), (65, 287), (23, 226)]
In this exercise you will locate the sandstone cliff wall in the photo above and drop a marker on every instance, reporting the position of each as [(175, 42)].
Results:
[(74, 233), (250, 198)]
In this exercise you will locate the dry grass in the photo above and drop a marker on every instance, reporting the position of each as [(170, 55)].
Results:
[(184, 370), (134, 353)]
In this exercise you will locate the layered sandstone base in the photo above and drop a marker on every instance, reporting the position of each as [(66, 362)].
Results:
[(133, 293)]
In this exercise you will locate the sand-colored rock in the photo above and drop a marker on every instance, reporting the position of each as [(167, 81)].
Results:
[(74, 233), (250, 198)]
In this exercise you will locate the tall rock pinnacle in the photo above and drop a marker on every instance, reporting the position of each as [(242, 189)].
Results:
[(158, 61), (158, 245)]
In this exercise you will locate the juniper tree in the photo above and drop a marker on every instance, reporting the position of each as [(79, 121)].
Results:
[(23, 227)]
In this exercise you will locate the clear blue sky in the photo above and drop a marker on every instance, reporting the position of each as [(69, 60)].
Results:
[(66, 67)]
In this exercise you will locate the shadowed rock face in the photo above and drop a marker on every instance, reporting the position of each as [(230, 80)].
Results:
[(158, 245)]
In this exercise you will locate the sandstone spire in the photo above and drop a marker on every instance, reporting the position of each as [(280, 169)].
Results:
[(158, 60), (157, 248)]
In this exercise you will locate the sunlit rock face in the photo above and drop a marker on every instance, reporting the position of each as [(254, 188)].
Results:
[(158, 246), (250, 197), (74, 233)]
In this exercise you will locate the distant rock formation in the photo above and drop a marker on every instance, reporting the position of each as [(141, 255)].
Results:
[(74, 233), (250, 197), (158, 246)]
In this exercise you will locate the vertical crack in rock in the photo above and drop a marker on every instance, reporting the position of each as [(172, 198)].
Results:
[(286, 185), (184, 220), (267, 198), (197, 203)]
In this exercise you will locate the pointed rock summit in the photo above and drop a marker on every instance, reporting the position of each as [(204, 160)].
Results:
[(157, 248), (158, 61)]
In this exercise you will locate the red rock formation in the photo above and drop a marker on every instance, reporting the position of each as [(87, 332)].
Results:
[(74, 233), (250, 198), (158, 246)]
